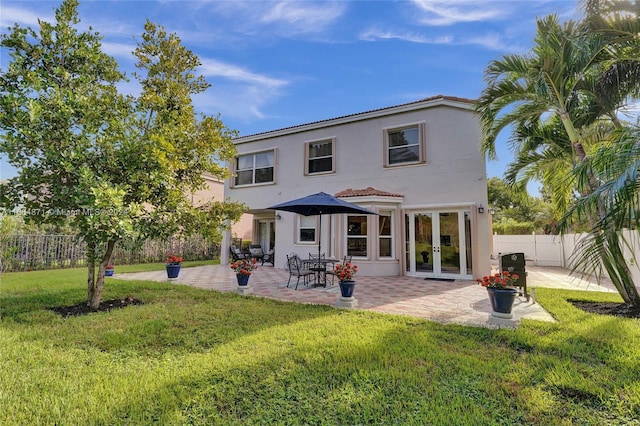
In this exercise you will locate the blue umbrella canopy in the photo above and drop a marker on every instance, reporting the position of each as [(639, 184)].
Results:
[(319, 204)]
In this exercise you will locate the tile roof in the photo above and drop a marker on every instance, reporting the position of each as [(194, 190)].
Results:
[(367, 192), (429, 99)]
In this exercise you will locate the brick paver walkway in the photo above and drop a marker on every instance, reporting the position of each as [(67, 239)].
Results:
[(460, 301)]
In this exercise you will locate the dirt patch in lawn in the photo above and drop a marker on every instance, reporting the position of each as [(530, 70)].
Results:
[(608, 308), (105, 306)]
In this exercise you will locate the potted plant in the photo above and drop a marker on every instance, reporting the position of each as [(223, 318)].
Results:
[(173, 264), (243, 269), (108, 270), (345, 275), (501, 292)]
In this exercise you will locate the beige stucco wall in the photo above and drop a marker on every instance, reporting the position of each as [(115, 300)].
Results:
[(214, 190), (453, 175)]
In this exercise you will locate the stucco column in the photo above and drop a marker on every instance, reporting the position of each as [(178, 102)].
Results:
[(224, 246)]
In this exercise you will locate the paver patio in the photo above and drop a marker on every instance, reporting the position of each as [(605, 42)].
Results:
[(460, 301)]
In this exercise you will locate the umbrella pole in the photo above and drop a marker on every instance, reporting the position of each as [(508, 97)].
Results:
[(319, 235)]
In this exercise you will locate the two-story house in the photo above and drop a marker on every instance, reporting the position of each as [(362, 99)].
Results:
[(418, 165)]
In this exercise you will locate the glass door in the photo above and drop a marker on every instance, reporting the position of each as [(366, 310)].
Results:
[(438, 244), (449, 249), (267, 234)]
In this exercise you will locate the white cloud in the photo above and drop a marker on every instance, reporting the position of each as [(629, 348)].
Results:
[(211, 67), (304, 16), (376, 34), (238, 93), (24, 17), (450, 12), (119, 50), (282, 18), (492, 41)]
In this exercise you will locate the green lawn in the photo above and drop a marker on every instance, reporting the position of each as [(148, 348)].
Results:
[(190, 356)]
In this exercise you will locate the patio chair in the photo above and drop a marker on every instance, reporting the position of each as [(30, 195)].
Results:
[(347, 259), (255, 252), (236, 253), (270, 257), (294, 265)]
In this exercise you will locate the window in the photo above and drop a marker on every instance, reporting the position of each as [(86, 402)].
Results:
[(385, 234), (306, 229), (404, 145), (357, 236), (254, 168), (319, 156)]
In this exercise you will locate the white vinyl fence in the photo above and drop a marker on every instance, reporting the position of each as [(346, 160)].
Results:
[(554, 250)]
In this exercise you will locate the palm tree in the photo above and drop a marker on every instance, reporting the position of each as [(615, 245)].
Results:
[(554, 98), (617, 167)]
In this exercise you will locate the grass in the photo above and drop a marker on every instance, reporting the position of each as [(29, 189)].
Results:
[(191, 356)]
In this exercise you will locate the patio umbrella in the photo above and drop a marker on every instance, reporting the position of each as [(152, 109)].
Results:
[(319, 204)]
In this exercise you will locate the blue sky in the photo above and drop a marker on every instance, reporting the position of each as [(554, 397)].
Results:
[(278, 64)]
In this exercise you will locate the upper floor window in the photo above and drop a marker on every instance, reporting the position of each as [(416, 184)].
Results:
[(404, 145), (319, 156), (254, 168)]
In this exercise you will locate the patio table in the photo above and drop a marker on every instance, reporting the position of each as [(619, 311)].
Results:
[(319, 266)]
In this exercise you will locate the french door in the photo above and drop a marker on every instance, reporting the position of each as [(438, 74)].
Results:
[(438, 243), (267, 234)]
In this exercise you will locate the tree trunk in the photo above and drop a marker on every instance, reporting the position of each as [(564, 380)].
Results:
[(619, 272), (91, 252), (96, 294)]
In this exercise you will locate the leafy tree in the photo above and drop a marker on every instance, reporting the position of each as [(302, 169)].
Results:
[(561, 101), (113, 165), (517, 212), (8, 225)]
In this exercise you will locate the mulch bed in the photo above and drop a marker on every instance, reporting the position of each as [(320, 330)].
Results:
[(105, 306), (608, 308)]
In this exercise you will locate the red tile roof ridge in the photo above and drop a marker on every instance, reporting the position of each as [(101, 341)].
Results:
[(367, 192)]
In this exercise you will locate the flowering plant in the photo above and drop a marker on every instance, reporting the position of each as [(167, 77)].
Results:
[(345, 272), (109, 266), (498, 280), (244, 267), (174, 260)]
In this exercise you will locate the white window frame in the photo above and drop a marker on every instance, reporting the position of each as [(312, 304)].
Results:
[(391, 237), (365, 236), (306, 222), (273, 151), (307, 157), (421, 143)]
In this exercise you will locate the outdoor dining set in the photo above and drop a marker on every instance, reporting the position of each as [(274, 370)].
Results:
[(316, 270)]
